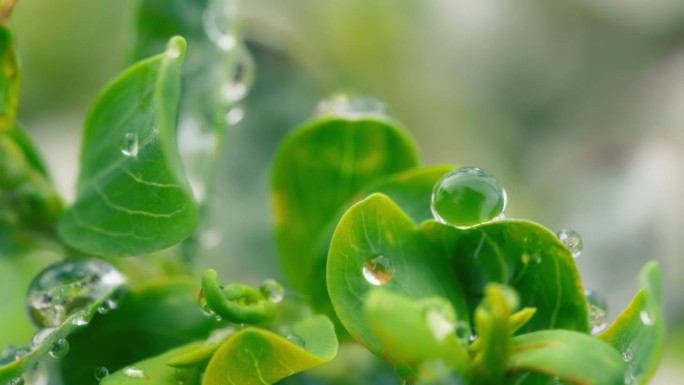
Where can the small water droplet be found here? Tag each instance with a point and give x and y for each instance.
(20, 352)
(129, 144)
(628, 355)
(572, 240)
(439, 325)
(272, 290)
(297, 340)
(378, 270)
(173, 52)
(467, 197)
(598, 311)
(60, 348)
(203, 303)
(106, 306)
(218, 318)
(472, 338)
(235, 115)
(220, 23)
(100, 373)
(646, 318)
(133, 372)
(17, 381)
(40, 336)
(351, 107)
(80, 320)
(241, 77)
(463, 332)
(69, 286)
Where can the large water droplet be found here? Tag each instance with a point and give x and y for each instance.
(572, 240)
(241, 77)
(40, 336)
(100, 373)
(598, 311)
(272, 290)
(60, 348)
(297, 340)
(220, 23)
(646, 318)
(351, 107)
(129, 144)
(69, 286)
(467, 197)
(133, 372)
(439, 325)
(378, 270)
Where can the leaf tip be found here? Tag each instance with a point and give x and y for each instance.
(176, 47)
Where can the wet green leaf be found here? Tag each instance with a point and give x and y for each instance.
(257, 356)
(155, 371)
(415, 331)
(576, 358)
(133, 197)
(523, 255)
(376, 236)
(319, 170)
(639, 332)
(150, 319)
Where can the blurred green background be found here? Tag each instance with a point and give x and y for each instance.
(577, 106)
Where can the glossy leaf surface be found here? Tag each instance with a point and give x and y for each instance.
(155, 371)
(408, 265)
(415, 331)
(639, 332)
(319, 169)
(257, 356)
(521, 254)
(576, 358)
(150, 319)
(132, 194)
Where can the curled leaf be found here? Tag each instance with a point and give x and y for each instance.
(236, 302)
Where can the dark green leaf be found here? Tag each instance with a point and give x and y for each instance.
(576, 358)
(415, 331)
(523, 255)
(150, 319)
(257, 356)
(377, 236)
(155, 371)
(319, 169)
(132, 194)
(639, 332)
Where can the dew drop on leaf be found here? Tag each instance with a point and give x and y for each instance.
(241, 77)
(220, 23)
(272, 290)
(598, 311)
(17, 381)
(69, 286)
(235, 115)
(378, 270)
(203, 303)
(129, 144)
(134, 372)
(646, 318)
(100, 373)
(572, 240)
(40, 336)
(467, 197)
(297, 340)
(60, 348)
(628, 355)
(107, 306)
(351, 106)
(20, 353)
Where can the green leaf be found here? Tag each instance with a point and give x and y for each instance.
(150, 319)
(377, 236)
(319, 169)
(9, 80)
(155, 371)
(411, 190)
(523, 255)
(576, 358)
(432, 325)
(639, 332)
(132, 194)
(492, 321)
(257, 356)
(24, 141)
(70, 325)
(236, 302)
